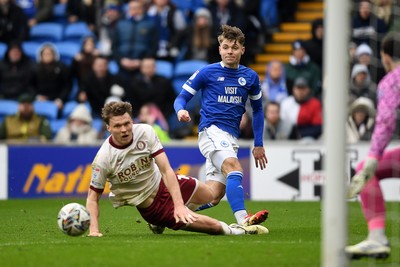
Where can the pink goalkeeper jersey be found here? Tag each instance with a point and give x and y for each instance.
(131, 170)
(388, 103)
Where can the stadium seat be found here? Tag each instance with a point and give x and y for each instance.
(30, 49)
(164, 68)
(46, 32)
(113, 67)
(183, 71)
(70, 106)
(56, 125)
(76, 31)
(48, 109)
(67, 51)
(60, 14)
(7, 107)
(3, 49)
(97, 124)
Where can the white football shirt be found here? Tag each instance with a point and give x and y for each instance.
(131, 170)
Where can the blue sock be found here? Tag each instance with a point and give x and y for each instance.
(205, 206)
(234, 191)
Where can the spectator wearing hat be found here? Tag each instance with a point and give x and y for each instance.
(361, 120)
(26, 125)
(197, 39)
(300, 65)
(303, 110)
(364, 55)
(108, 21)
(361, 84)
(78, 129)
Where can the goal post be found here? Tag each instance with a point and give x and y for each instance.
(336, 85)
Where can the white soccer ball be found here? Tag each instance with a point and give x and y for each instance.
(73, 219)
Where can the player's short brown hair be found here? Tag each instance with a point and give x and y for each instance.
(115, 109)
(231, 33)
(391, 45)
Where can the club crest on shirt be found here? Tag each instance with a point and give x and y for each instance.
(224, 143)
(140, 145)
(242, 81)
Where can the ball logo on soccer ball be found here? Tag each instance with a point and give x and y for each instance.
(73, 219)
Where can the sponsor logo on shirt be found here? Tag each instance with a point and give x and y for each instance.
(221, 79)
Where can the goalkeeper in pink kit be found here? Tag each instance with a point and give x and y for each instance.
(380, 163)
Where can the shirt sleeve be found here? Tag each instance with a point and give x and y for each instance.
(99, 176)
(388, 102)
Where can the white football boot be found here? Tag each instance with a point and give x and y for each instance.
(251, 229)
(368, 248)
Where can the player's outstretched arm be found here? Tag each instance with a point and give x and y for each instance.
(92, 204)
(181, 213)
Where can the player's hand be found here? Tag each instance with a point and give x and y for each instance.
(185, 215)
(183, 115)
(95, 234)
(359, 180)
(260, 157)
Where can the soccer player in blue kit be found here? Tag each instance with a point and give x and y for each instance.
(225, 88)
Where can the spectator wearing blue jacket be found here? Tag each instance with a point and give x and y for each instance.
(135, 37)
(274, 85)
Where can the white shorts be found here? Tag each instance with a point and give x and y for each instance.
(211, 141)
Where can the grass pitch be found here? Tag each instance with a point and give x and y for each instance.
(29, 236)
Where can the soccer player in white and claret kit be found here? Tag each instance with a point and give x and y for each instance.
(225, 87)
(135, 164)
(380, 163)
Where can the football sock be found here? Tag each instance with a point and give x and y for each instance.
(230, 230)
(378, 235)
(235, 194)
(205, 206)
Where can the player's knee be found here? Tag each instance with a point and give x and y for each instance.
(230, 165)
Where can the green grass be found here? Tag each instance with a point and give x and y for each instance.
(29, 237)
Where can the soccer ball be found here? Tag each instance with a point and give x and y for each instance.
(73, 219)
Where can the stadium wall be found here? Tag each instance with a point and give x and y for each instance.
(294, 171)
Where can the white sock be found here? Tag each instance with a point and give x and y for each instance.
(231, 231)
(240, 215)
(378, 235)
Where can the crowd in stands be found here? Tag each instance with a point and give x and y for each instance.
(76, 55)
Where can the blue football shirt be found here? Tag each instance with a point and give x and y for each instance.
(224, 94)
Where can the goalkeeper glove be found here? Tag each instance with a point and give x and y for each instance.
(360, 179)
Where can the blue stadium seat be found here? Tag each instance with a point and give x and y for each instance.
(113, 67)
(164, 68)
(48, 109)
(76, 31)
(7, 107)
(3, 49)
(46, 32)
(30, 49)
(56, 125)
(67, 51)
(183, 71)
(70, 106)
(97, 124)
